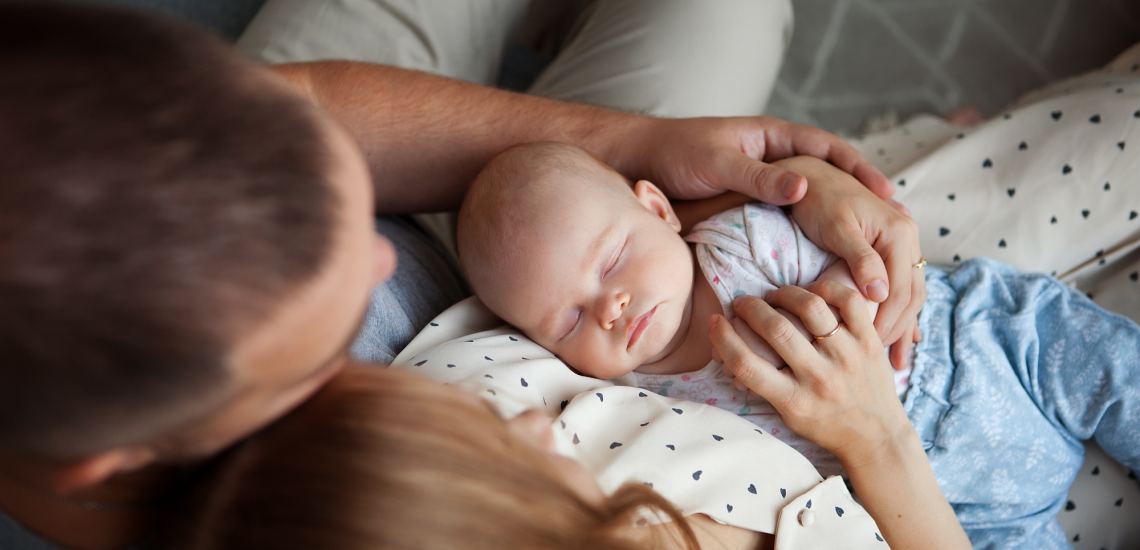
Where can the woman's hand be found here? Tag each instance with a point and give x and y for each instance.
(837, 391)
(878, 239)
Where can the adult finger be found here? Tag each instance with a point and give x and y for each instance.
(852, 307)
(867, 267)
(777, 330)
(749, 369)
(908, 291)
(787, 140)
(810, 308)
(900, 351)
(762, 181)
(917, 300)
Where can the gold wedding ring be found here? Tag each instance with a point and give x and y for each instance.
(921, 263)
(830, 334)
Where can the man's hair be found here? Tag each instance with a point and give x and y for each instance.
(158, 197)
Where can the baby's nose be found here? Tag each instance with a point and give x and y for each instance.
(613, 309)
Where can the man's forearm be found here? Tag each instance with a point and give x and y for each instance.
(426, 137)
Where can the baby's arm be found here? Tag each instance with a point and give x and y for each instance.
(838, 272)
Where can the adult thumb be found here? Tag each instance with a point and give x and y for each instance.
(764, 182)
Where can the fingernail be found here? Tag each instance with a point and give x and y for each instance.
(791, 186)
(713, 320)
(876, 291)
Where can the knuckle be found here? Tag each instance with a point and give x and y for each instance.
(866, 259)
(749, 307)
(905, 225)
(849, 299)
(738, 365)
(827, 388)
(780, 332)
(816, 306)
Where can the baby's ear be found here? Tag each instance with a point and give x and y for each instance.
(655, 201)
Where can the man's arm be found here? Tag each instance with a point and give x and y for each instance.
(425, 138)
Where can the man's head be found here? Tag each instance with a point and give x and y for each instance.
(185, 245)
(559, 245)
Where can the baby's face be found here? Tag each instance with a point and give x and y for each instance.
(600, 277)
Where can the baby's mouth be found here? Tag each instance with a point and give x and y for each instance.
(639, 325)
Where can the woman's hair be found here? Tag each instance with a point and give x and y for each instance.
(384, 459)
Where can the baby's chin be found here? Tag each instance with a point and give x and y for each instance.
(605, 372)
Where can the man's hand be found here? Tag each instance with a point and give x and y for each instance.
(700, 157)
(879, 242)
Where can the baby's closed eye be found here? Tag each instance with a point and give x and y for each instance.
(569, 322)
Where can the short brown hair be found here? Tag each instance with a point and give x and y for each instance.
(374, 462)
(158, 197)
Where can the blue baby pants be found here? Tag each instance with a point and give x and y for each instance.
(1014, 371)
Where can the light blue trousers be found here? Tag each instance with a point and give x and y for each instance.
(1014, 371)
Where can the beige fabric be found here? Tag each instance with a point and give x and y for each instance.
(702, 459)
(1052, 185)
(929, 162)
(673, 58)
(463, 39)
(661, 57)
(825, 516)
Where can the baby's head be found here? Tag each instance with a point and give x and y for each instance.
(588, 266)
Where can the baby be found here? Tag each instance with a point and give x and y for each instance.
(595, 270)
(1013, 371)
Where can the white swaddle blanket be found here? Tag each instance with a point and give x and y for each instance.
(702, 459)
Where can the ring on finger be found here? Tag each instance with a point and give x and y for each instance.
(921, 263)
(830, 334)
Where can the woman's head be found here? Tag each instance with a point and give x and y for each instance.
(387, 459)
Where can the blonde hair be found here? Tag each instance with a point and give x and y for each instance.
(381, 460)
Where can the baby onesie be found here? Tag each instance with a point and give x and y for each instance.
(751, 250)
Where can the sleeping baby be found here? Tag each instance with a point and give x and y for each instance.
(595, 270)
(1013, 371)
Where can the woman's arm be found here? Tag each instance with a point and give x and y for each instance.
(837, 394)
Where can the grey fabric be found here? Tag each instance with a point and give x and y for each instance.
(426, 282)
(885, 60)
(227, 18)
